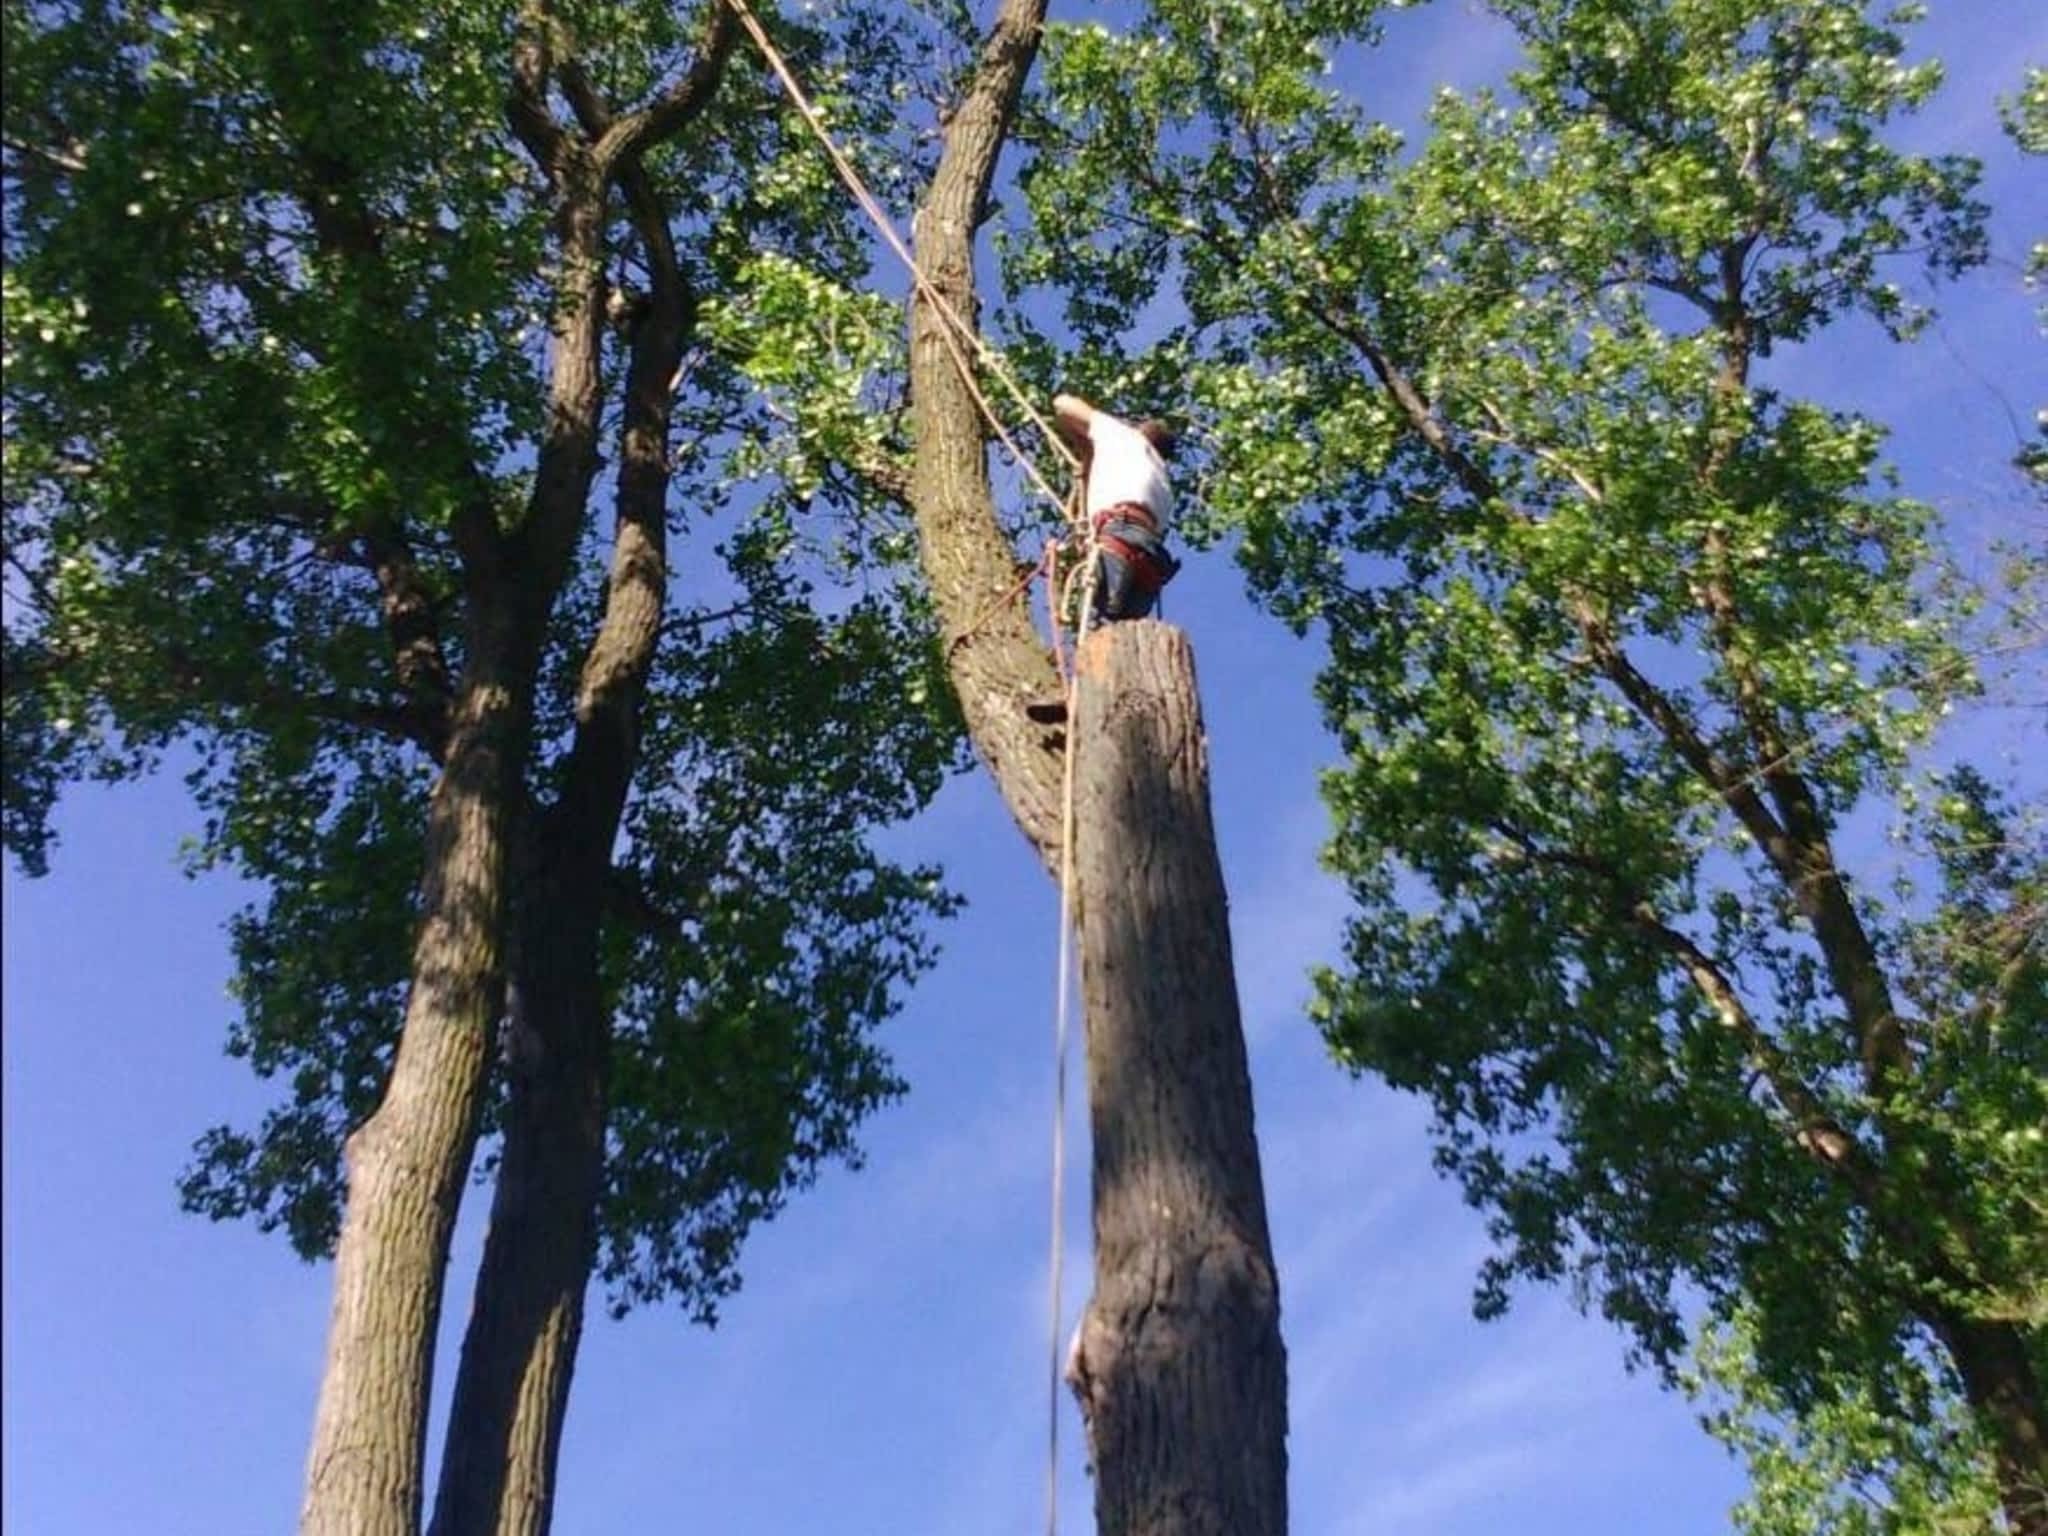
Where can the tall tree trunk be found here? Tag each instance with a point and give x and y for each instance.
(1178, 1367)
(408, 1161)
(1183, 1378)
(519, 1352)
(2004, 1391)
(996, 661)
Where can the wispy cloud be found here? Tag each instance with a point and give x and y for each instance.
(1287, 914)
(1422, 1499)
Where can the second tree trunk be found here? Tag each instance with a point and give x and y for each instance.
(1179, 1367)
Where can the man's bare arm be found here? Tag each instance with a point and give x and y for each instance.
(1072, 415)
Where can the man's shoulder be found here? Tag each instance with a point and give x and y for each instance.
(1105, 429)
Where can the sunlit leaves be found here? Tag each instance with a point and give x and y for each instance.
(278, 296)
(1498, 420)
(1855, 1466)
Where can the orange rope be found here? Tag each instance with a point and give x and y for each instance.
(954, 329)
(1043, 563)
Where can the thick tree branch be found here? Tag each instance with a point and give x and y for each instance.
(615, 669)
(668, 114)
(69, 160)
(593, 112)
(884, 476)
(420, 719)
(997, 662)
(1807, 866)
(545, 540)
(1728, 781)
(410, 610)
(1818, 1133)
(532, 120)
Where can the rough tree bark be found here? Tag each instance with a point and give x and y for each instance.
(519, 1352)
(407, 1162)
(1178, 1366)
(994, 656)
(1187, 1404)
(2002, 1388)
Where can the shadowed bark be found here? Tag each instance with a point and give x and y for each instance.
(512, 1392)
(407, 1163)
(519, 1352)
(994, 656)
(1178, 1367)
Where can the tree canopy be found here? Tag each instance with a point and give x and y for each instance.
(1621, 638)
(277, 310)
(320, 319)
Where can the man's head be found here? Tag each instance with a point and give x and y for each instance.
(1159, 435)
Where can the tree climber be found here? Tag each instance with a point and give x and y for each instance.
(1127, 501)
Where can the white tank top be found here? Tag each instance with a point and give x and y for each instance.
(1125, 467)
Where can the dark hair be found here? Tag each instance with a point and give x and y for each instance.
(1160, 435)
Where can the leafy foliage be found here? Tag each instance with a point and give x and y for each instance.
(1852, 1466)
(2026, 121)
(278, 292)
(1621, 638)
(2026, 114)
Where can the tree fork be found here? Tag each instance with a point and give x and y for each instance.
(519, 1353)
(407, 1164)
(1179, 1366)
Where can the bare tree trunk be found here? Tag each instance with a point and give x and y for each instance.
(408, 1161)
(2004, 1391)
(1182, 1374)
(1178, 1367)
(519, 1352)
(995, 659)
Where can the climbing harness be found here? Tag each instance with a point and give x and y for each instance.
(953, 331)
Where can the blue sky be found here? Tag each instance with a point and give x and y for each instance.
(883, 1369)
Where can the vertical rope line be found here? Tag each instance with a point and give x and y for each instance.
(1061, 1032)
(953, 330)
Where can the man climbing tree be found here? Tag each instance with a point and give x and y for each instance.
(1180, 1370)
(1126, 504)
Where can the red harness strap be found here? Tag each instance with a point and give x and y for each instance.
(1128, 512)
(1148, 571)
